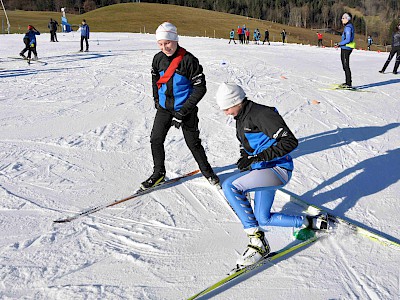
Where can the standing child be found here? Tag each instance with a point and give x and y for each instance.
(369, 41)
(178, 86)
(232, 36)
(30, 43)
(266, 38)
(319, 36)
(85, 35)
(265, 165)
(283, 35)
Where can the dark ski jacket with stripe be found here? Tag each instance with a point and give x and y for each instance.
(184, 89)
(260, 128)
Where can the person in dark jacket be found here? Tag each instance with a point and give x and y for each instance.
(178, 85)
(53, 28)
(283, 35)
(266, 37)
(395, 50)
(347, 45)
(85, 32)
(30, 43)
(265, 165)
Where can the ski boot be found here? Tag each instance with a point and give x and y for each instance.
(345, 86)
(256, 249)
(155, 179)
(320, 222)
(213, 180)
(23, 56)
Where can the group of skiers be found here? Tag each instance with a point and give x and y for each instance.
(244, 36)
(30, 41)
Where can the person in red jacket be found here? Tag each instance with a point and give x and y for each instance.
(319, 35)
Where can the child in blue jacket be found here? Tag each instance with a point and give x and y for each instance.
(30, 43)
(85, 35)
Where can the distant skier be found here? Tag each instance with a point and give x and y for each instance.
(30, 43)
(247, 34)
(319, 36)
(347, 45)
(395, 50)
(240, 34)
(283, 35)
(256, 36)
(266, 37)
(85, 32)
(369, 42)
(53, 28)
(265, 166)
(178, 86)
(232, 36)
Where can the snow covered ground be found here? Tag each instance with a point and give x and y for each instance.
(74, 133)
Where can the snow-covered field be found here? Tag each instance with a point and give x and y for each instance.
(74, 133)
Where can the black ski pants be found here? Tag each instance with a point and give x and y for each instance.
(30, 50)
(84, 38)
(345, 57)
(161, 126)
(395, 50)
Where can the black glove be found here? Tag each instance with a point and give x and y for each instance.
(245, 162)
(177, 120)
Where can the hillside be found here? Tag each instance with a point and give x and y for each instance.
(145, 17)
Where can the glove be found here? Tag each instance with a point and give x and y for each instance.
(245, 162)
(32, 45)
(177, 120)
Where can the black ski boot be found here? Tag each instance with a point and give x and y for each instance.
(155, 179)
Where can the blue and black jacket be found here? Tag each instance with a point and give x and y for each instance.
(31, 35)
(85, 30)
(184, 89)
(260, 128)
(347, 37)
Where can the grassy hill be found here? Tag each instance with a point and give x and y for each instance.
(145, 17)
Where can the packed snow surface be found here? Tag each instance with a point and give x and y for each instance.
(75, 133)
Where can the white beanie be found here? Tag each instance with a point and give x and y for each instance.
(346, 16)
(167, 31)
(229, 94)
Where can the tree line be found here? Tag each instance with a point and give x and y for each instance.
(377, 18)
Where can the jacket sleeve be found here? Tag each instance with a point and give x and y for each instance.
(273, 125)
(155, 76)
(194, 72)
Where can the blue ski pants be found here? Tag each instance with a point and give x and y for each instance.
(264, 183)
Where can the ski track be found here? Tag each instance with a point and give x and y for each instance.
(80, 138)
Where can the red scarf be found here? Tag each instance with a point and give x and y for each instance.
(171, 68)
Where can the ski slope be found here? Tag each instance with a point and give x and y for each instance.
(74, 133)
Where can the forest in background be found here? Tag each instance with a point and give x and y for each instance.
(377, 18)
